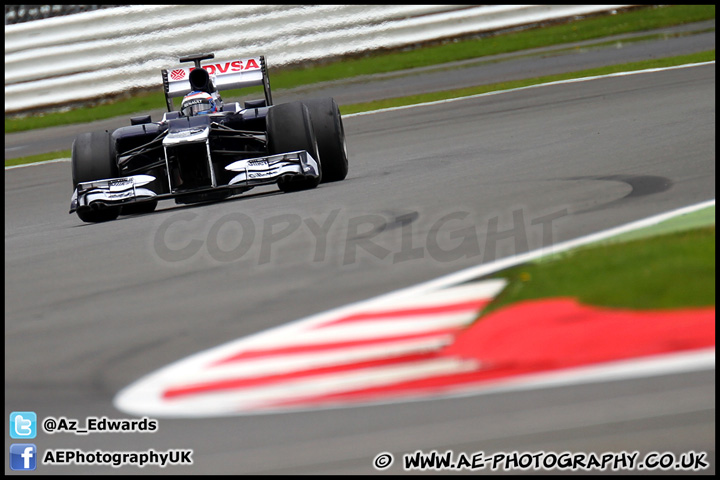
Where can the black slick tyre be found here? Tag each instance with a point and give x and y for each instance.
(289, 128)
(330, 134)
(148, 206)
(93, 158)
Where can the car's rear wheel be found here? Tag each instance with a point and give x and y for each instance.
(330, 134)
(289, 128)
(93, 158)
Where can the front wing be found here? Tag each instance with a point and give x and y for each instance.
(251, 172)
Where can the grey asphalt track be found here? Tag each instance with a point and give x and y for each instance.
(90, 308)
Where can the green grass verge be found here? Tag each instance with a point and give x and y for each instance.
(624, 22)
(38, 158)
(674, 270)
(687, 221)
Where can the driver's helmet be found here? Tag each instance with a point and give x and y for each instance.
(198, 103)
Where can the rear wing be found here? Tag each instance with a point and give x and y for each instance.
(234, 74)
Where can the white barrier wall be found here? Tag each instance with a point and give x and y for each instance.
(89, 55)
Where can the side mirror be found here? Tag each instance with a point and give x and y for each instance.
(140, 120)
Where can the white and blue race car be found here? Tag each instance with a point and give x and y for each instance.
(208, 150)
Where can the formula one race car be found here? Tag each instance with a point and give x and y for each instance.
(207, 150)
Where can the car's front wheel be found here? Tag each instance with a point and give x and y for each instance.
(139, 208)
(330, 134)
(289, 128)
(93, 158)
